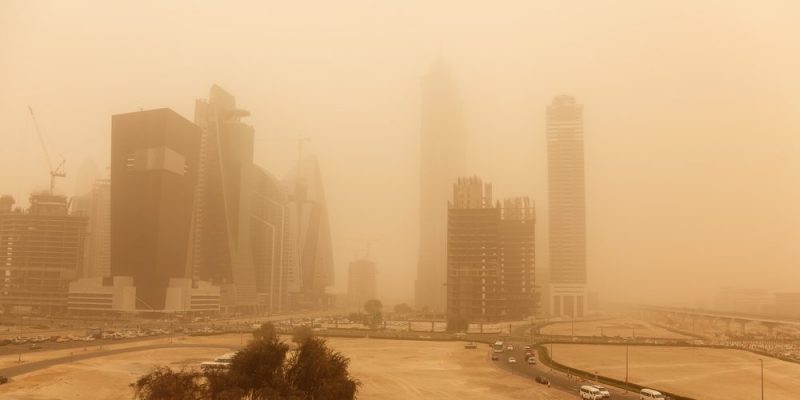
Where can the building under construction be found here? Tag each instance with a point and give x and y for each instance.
(490, 256)
(43, 249)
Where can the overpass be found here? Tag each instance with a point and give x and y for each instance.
(769, 321)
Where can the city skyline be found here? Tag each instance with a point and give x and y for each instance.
(678, 126)
(394, 200)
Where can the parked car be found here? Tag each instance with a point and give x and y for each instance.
(512, 360)
(542, 380)
(36, 346)
(531, 361)
(3, 379)
(495, 357)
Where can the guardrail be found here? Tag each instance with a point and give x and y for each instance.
(544, 357)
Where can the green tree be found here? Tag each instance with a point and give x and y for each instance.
(301, 333)
(265, 332)
(260, 371)
(320, 373)
(258, 368)
(165, 384)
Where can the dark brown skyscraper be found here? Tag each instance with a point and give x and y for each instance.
(490, 256)
(154, 158)
(441, 162)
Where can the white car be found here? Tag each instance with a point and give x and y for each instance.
(512, 360)
(510, 347)
(606, 394)
(531, 360)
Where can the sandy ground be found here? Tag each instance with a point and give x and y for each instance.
(695, 372)
(622, 327)
(391, 370)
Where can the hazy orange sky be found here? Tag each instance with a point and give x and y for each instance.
(692, 115)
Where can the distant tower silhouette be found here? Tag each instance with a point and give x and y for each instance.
(565, 170)
(442, 137)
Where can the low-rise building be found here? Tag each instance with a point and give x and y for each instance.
(102, 295)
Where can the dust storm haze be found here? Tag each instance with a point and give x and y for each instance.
(691, 117)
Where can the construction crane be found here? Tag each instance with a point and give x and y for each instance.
(58, 171)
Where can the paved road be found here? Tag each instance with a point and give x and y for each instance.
(558, 380)
(74, 344)
(24, 368)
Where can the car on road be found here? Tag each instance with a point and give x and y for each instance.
(649, 394)
(531, 361)
(512, 360)
(603, 391)
(495, 357)
(588, 392)
(36, 346)
(542, 380)
(3, 379)
(527, 347)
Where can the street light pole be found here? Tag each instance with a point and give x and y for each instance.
(626, 367)
(762, 377)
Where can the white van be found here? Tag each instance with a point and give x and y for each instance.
(650, 394)
(590, 393)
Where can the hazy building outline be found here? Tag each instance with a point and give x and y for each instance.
(311, 236)
(361, 283)
(566, 207)
(442, 158)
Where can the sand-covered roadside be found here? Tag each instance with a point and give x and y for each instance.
(391, 370)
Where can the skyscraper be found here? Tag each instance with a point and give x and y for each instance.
(311, 236)
(490, 256)
(442, 138)
(270, 231)
(96, 204)
(222, 250)
(361, 283)
(154, 159)
(565, 169)
(42, 252)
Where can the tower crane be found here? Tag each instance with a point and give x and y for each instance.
(58, 171)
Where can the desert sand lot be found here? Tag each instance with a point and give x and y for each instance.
(387, 369)
(623, 327)
(701, 373)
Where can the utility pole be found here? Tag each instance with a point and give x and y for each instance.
(626, 367)
(762, 377)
